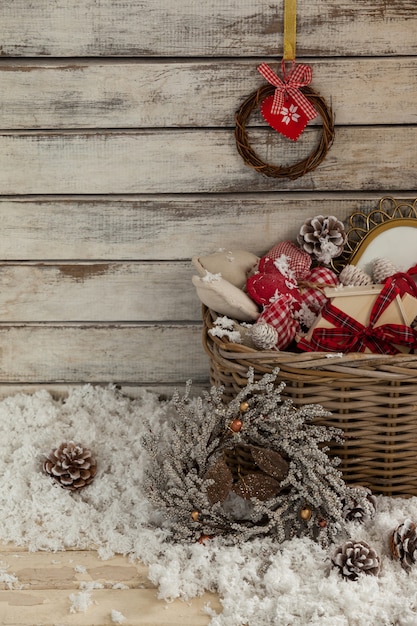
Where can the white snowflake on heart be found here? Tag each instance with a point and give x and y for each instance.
(289, 114)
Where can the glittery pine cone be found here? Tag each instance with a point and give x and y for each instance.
(71, 465)
(322, 237)
(354, 276)
(383, 269)
(403, 543)
(264, 336)
(354, 558)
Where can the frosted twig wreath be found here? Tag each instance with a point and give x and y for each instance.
(300, 168)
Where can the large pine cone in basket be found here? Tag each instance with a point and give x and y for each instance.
(71, 465)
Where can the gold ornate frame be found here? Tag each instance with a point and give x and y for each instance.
(363, 228)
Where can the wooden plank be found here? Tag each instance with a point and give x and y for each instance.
(186, 161)
(44, 587)
(137, 354)
(68, 569)
(214, 28)
(131, 94)
(139, 608)
(102, 292)
(163, 227)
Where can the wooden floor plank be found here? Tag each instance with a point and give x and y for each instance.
(138, 607)
(52, 589)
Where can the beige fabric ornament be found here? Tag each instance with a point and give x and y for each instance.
(224, 298)
(71, 465)
(354, 276)
(233, 265)
(383, 269)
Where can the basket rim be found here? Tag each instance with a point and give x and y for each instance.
(383, 366)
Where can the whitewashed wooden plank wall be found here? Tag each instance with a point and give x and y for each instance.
(118, 164)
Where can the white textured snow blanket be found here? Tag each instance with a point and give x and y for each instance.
(260, 583)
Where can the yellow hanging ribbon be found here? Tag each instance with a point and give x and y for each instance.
(290, 29)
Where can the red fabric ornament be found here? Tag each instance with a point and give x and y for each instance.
(286, 255)
(280, 315)
(290, 121)
(312, 293)
(288, 111)
(265, 288)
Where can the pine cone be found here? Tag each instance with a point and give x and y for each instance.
(383, 269)
(71, 465)
(403, 543)
(354, 558)
(354, 276)
(322, 237)
(264, 335)
(361, 508)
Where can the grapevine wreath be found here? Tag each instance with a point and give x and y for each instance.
(309, 163)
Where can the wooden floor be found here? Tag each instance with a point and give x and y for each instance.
(76, 588)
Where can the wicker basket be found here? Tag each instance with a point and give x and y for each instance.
(372, 398)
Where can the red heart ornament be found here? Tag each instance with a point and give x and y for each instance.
(265, 288)
(290, 121)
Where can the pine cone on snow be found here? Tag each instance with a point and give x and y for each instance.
(403, 543)
(71, 465)
(354, 558)
(322, 237)
(360, 509)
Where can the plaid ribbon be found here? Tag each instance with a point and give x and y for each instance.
(351, 336)
(299, 76)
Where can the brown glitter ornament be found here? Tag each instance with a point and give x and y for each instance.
(221, 481)
(244, 407)
(249, 471)
(195, 515)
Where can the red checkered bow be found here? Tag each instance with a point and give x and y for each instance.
(351, 336)
(299, 76)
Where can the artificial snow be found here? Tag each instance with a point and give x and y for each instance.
(260, 583)
(225, 327)
(117, 617)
